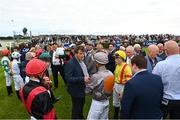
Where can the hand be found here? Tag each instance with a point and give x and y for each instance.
(121, 95)
(87, 79)
(47, 82)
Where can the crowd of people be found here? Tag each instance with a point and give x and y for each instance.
(122, 39)
(142, 84)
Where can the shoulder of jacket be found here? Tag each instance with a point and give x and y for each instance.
(95, 75)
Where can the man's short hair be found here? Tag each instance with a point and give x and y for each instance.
(54, 43)
(79, 47)
(112, 44)
(140, 61)
(137, 46)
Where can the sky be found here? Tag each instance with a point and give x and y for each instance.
(90, 17)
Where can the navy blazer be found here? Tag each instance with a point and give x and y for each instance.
(75, 78)
(142, 97)
(111, 64)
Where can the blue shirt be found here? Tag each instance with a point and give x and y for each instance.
(169, 71)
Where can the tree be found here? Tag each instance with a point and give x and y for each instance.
(24, 31)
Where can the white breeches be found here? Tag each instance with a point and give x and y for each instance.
(99, 110)
(117, 94)
(18, 82)
(8, 80)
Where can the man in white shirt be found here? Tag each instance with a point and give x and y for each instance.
(169, 71)
(56, 65)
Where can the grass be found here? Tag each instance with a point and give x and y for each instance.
(12, 108)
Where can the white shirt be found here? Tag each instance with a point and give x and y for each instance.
(60, 51)
(84, 68)
(128, 61)
(55, 61)
(15, 67)
(169, 71)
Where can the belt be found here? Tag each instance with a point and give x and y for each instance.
(120, 83)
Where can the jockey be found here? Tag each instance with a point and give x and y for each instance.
(5, 62)
(34, 94)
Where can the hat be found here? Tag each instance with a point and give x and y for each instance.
(101, 57)
(45, 56)
(72, 45)
(120, 54)
(35, 67)
(28, 56)
(39, 52)
(5, 52)
(16, 54)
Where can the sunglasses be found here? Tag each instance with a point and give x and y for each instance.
(116, 56)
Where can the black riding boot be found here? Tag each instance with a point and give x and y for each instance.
(10, 88)
(17, 92)
(116, 112)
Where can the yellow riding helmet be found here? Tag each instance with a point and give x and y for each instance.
(120, 54)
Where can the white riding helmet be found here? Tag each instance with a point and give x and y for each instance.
(101, 57)
(15, 55)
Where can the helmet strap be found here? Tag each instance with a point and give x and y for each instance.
(40, 77)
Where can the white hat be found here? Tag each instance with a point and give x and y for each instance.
(72, 45)
(16, 55)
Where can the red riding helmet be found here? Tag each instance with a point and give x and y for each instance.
(38, 52)
(35, 67)
(5, 52)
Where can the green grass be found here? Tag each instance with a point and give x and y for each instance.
(144, 49)
(12, 108)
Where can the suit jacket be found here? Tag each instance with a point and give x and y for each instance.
(51, 54)
(111, 64)
(163, 56)
(142, 97)
(149, 65)
(143, 53)
(75, 78)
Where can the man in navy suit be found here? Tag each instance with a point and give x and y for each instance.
(143, 93)
(111, 64)
(77, 75)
